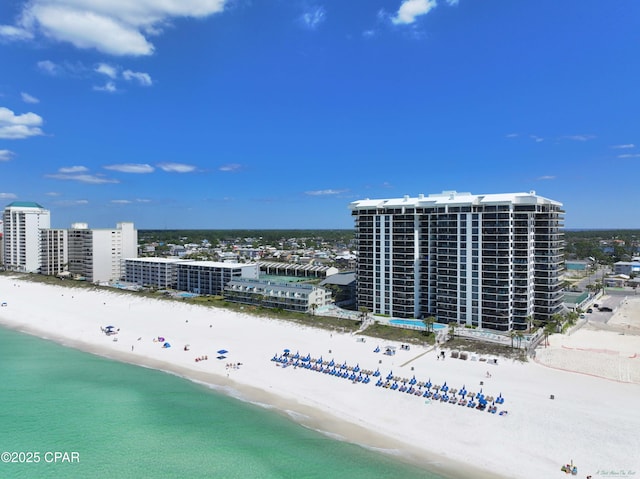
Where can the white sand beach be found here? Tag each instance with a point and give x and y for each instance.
(593, 419)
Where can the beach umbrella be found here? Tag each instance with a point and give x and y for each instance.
(110, 327)
(222, 351)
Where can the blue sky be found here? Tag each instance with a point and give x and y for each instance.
(279, 113)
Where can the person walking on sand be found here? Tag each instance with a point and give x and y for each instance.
(132, 347)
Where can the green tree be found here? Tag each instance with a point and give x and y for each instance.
(549, 329)
(452, 330)
(428, 324)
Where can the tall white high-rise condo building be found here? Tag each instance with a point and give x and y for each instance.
(491, 261)
(98, 254)
(22, 223)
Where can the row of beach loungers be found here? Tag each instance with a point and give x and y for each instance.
(352, 373)
(433, 392)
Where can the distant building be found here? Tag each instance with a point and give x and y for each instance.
(210, 277)
(277, 294)
(630, 268)
(22, 223)
(490, 261)
(302, 270)
(97, 255)
(343, 286)
(578, 265)
(161, 273)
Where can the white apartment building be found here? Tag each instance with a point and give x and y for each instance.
(53, 251)
(491, 261)
(154, 272)
(98, 254)
(22, 223)
(277, 294)
(210, 277)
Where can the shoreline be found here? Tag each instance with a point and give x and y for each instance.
(307, 416)
(448, 440)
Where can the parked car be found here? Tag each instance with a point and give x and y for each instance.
(596, 305)
(590, 310)
(606, 309)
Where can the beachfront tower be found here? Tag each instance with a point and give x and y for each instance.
(22, 225)
(491, 261)
(98, 255)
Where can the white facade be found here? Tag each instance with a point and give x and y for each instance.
(22, 222)
(210, 277)
(98, 254)
(156, 272)
(491, 261)
(278, 294)
(53, 251)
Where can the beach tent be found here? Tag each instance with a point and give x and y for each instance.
(166, 345)
(222, 351)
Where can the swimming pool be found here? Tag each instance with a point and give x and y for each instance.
(416, 324)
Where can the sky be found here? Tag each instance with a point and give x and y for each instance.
(277, 114)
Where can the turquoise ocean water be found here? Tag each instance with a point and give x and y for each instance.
(125, 421)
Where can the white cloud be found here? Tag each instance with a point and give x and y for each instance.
(17, 127)
(73, 169)
(547, 177)
(624, 147)
(176, 167)
(325, 192)
(579, 137)
(6, 155)
(53, 193)
(72, 202)
(49, 67)
(14, 33)
(410, 9)
(314, 17)
(8, 196)
(121, 202)
(131, 168)
(369, 33)
(142, 200)
(108, 87)
(537, 139)
(230, 167)
(629, 155)
(106, 69)
(29, 98)
(143, 78)
(115, 27)
(90, 179)
(452, 3)
(513, 135)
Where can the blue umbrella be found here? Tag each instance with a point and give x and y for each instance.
(222, 351)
